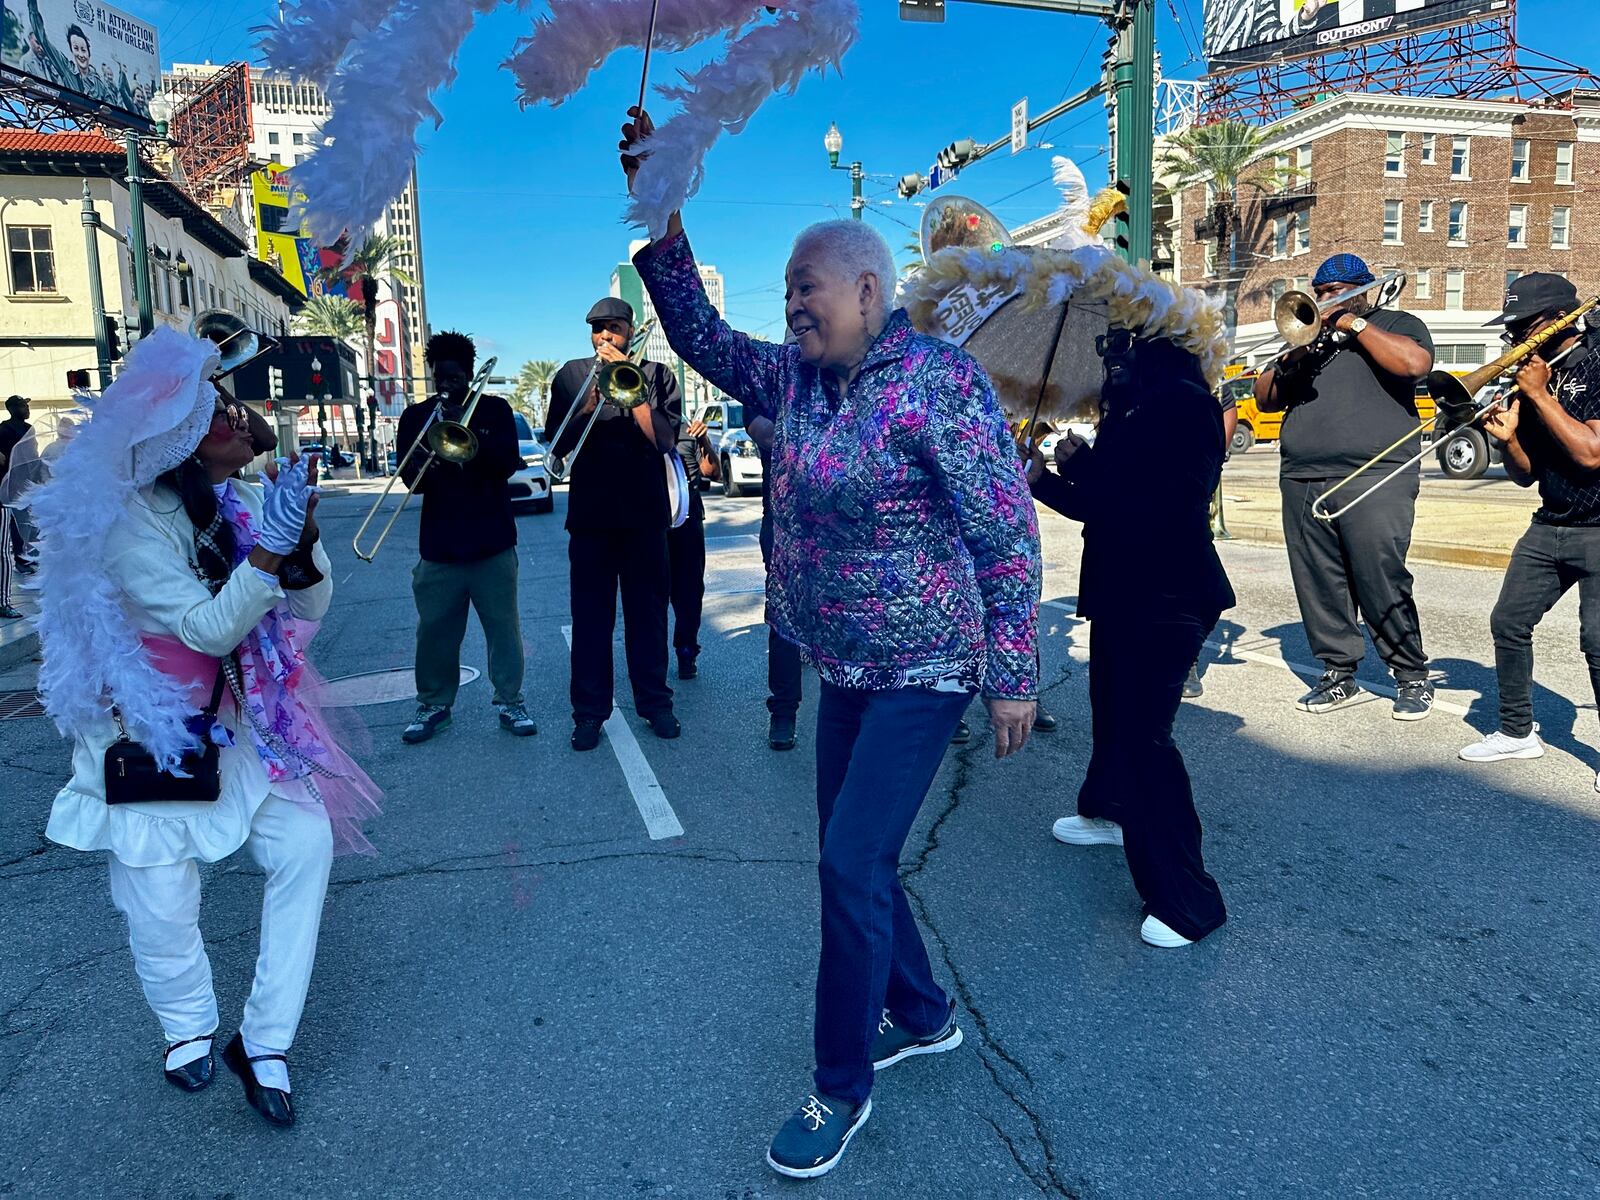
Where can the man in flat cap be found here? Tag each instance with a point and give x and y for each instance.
(1347, 396)
(1549, 433)
(618, 514)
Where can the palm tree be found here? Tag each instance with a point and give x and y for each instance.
(1224, 154)
(377, 256)
(534, 379)
(330, 316)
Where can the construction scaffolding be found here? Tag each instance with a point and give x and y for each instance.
(211, 128)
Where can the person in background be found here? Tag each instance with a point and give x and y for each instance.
(618, 515)
(468, 547)
(1193, 689)
(16, 427)
(686, 551)
(784, 676)
(1346, 397)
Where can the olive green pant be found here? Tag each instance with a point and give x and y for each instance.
(443, 591)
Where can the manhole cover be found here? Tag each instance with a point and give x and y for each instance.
(16, 705)
(376, 687)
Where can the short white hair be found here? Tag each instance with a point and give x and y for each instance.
(851, 249)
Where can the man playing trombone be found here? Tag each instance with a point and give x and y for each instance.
(1347, 395)
(618, 514)
(1549, 429)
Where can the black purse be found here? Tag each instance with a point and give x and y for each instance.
(133, 776)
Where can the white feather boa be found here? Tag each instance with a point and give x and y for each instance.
(380, 94)
(724, 95)
(579, 35)
(315, 34)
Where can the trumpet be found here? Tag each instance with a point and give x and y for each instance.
(1455, 406)
(452, 441)
(619, 383)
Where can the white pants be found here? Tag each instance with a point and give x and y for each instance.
(293, 844)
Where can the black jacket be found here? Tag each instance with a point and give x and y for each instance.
(466, 510)
(1143, 493)
(619, 479)
(12, 431)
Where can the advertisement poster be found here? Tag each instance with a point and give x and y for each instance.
(1244, 33)
(87, 54)
(296, 258)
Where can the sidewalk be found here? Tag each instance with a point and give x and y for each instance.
(19, 641)
(1458, 525)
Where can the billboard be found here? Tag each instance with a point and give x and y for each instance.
(298, 259)
(86, 54)
(1245, 33)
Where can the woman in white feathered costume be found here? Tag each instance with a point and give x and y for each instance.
(158, 570)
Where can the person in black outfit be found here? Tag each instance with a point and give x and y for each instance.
(1348, 395)
(617, 515)
(1549, 431)
(784, 687)
(1151, 587)
(686, 551)
(468, 545)
(12, 430)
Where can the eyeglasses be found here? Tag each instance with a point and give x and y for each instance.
(232, 415)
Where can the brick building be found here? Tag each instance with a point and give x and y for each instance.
(1464, 195)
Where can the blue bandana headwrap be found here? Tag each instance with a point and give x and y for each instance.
(1342, 268)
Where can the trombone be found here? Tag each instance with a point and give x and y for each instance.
(619, 383)
(1297, 316)
(225, 329)
(452, 441)
(1455, 406)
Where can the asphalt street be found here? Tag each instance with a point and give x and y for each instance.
(525, 994)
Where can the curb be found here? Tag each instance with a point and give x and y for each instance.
(1432, 552)
(23, 650)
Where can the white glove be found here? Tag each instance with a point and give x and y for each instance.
(284, 505)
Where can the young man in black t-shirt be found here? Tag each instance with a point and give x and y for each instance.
(1549, 429)
(468, 544)
(1347, 396)
(618, 515)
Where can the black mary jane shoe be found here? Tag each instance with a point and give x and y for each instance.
(272, 1104)
(192, 1076)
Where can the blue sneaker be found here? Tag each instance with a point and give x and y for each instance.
(811, 1142)
(894, 1044)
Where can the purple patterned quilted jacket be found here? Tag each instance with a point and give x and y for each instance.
(906, 550)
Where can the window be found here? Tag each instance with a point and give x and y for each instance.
(277, 158)
(1394, 154)
(1455, 285)
(299, 139)
(1280, 173)
(1563, 162)
(1561, 228)
(33, 259)
(1277, 288)
(1425, 216)
(1460, 157)
(1302, 231)
(1517, 234)
(1519, 160)
(1210, 259)
(1211, 193)
(1511, 277)
(1428, 149)
(272, 138)
(1458, 222)
(1422, 285)
(1391, 222)
(1456, 354)
(1302, 160)
(1280, 237)
(1302, 283)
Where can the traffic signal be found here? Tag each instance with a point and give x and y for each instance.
(113, 340)
(957, 154)
(911, 184)
(1119, 217)
(275, 384)
(78, 381)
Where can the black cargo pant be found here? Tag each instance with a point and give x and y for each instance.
(783, 658)
(1548, 560)
(604, 560)
(686, 546)
(1356, 563)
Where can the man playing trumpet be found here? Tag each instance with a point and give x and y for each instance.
(1549, 432)
(1347, 395)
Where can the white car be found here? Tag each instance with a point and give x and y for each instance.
(530, 486)
(742, 473)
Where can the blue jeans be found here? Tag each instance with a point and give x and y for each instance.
(872, 953)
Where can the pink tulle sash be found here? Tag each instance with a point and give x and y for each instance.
(347, 793)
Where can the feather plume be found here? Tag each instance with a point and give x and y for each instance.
(314, 35)
(1074, 210)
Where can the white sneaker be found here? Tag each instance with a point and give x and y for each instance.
(1159, 933)
(1087, 831)
(1498, 746)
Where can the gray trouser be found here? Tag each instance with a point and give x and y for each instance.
(443, 591)
(1548, 560)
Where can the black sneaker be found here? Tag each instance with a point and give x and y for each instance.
(10, 613)
(812, 1141)
(586, 734)
(665, 726)
(962, 735)
(514, 718)
(1193, 689)
(781, 732)
(1332, 691)
(687, 668)
(1413, 700)
(893, 1043)
(1044, 722)
(430, 719)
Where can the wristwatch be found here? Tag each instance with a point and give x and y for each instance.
(1357, 325)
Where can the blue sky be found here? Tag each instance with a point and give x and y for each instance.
(521, 210)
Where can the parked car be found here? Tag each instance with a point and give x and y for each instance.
(742, 473)
(531, 484)
(332, 458)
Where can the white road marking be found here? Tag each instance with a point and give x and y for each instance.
(1272, 660)
(648, 795)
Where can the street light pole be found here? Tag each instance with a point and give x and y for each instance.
(97, 293)
(138, 249)
(833, 143)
